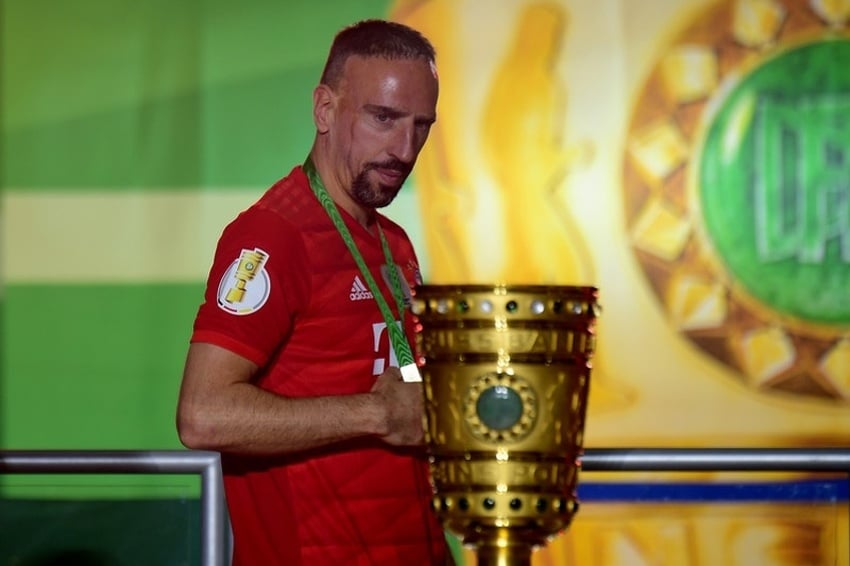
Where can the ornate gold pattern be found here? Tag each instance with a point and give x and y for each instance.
(771, 351)
(504, 453)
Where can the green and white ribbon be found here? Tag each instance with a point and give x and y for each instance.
(398, 340)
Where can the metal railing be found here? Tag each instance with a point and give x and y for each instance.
(207, 464)
(716, 460)
(213, 515)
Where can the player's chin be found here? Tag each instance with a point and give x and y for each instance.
(385, 195)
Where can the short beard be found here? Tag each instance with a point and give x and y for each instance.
(376, 196)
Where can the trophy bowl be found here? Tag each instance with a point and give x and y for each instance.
(506, 373)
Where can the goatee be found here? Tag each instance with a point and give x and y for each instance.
(377, 195)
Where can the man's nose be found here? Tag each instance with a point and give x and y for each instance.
(404, 145)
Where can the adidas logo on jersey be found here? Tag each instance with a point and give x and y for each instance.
(359, 292)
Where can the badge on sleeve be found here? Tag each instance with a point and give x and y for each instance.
(245, 286)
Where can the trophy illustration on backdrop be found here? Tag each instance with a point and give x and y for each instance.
(506, 373)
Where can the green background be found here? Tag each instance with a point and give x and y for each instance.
(112, 96)
(106, 97)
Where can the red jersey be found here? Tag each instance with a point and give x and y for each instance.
(285, 292)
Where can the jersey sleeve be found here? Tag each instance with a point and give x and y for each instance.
(256, 287)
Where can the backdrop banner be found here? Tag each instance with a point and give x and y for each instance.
(689, 158)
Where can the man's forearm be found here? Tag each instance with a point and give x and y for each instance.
(248, 420)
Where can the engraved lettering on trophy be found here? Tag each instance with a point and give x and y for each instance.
(432, 430)
(550, 398)
(551, 340)
(438, 471)
(489, 475)
(456, 472)
(533, 473)
(569, 346)
(438, 438)
(463, 472)
(518, 341)
(456, 417)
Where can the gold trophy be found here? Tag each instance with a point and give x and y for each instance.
(506, 372)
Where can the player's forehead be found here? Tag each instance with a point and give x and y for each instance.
(405, 85)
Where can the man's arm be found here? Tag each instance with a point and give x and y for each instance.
(220, 409)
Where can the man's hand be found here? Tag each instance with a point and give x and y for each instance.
(404, 409)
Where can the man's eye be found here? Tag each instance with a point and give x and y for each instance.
(383, 118)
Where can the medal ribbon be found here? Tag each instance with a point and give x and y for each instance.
(398, 340)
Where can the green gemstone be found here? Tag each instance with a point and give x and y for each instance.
(499, 407)
(774, 182)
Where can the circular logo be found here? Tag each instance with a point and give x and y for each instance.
(774, 174)
(737, 191)
(500, 408)
(245, 286)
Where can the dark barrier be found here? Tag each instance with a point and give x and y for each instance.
(206, 464)
(213, 514)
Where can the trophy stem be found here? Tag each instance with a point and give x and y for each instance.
(503, 552)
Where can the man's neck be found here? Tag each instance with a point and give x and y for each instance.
(366, 217)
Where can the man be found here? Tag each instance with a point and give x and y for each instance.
(291, 374)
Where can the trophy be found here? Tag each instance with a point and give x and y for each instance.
(506, 372)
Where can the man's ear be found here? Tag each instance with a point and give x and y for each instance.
(324, 103)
